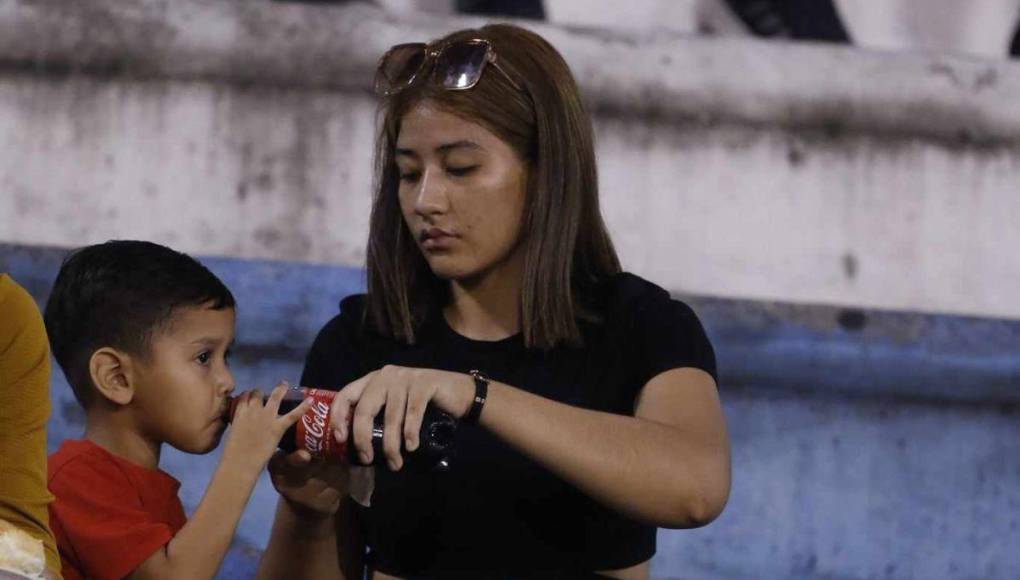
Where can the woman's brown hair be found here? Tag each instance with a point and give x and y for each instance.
(567, 248)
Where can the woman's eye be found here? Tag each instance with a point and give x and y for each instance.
(461, 171)
(409, 176)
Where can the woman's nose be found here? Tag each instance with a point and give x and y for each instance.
(431, 195)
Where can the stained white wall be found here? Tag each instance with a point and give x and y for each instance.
(730, 167)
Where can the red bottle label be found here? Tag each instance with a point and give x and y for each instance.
(313, 433)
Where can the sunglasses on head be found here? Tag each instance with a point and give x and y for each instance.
(457, 65)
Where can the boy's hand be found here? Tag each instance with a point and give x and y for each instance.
(312, 486)
(256, 428)
(198, 549)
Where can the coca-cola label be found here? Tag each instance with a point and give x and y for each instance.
(313, 433)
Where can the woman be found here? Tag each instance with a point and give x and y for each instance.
(587, 397)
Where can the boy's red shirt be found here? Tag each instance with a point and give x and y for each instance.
(109, 514)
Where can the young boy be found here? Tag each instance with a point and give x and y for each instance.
(142, 333)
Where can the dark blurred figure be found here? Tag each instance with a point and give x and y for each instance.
(804, 20)
(319, 1)
(800, 19)
(511, 8)
(1014, 47)
(514, 8)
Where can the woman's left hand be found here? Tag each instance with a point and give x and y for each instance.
(404, 392)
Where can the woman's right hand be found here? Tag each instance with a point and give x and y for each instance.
(311, 485)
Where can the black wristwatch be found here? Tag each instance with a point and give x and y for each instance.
(481, 392)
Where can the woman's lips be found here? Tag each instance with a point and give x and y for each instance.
(436, 239)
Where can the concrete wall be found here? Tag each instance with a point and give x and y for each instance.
(873, 437)
(676, 16)
(730, 167)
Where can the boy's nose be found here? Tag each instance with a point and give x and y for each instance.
(226, 383)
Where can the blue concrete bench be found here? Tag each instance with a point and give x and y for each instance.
(809, 391)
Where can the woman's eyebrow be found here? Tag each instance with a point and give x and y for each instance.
(462, 144)
(442, 149)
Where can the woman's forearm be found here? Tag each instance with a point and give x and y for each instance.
(655, 472)
(668, 465)
(313, 546)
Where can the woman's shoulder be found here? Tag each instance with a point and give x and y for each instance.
(664, 331)
(628, 293)
(349, 319)
(351, 326)
(352, 308)
(630, 283)
(631, 304)
(338, 353)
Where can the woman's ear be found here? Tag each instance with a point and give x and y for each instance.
(109, 369)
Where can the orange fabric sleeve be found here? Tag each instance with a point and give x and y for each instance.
(24, 409)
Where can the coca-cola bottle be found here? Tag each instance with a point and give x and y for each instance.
(312, 433)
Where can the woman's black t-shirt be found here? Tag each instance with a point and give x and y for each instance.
(495, 511)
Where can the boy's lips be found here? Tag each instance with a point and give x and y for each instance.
(226, 410)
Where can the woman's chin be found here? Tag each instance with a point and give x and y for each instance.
(449, 270)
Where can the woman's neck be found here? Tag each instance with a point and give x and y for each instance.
(486, 308)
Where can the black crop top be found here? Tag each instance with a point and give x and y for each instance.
(496, 513)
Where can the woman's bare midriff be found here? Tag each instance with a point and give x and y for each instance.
(636, 572)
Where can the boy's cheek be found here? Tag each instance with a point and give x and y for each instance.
(213, 436)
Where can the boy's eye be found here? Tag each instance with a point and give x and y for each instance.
(204, 357)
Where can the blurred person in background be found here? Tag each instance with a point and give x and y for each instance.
(24, 409)
(982, 28)
(587, 396)
(515, 8)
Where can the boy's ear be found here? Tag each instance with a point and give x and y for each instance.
(110, 371)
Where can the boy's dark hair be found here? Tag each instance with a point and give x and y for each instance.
(117, 294)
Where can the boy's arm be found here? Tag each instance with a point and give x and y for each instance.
(198, 549)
